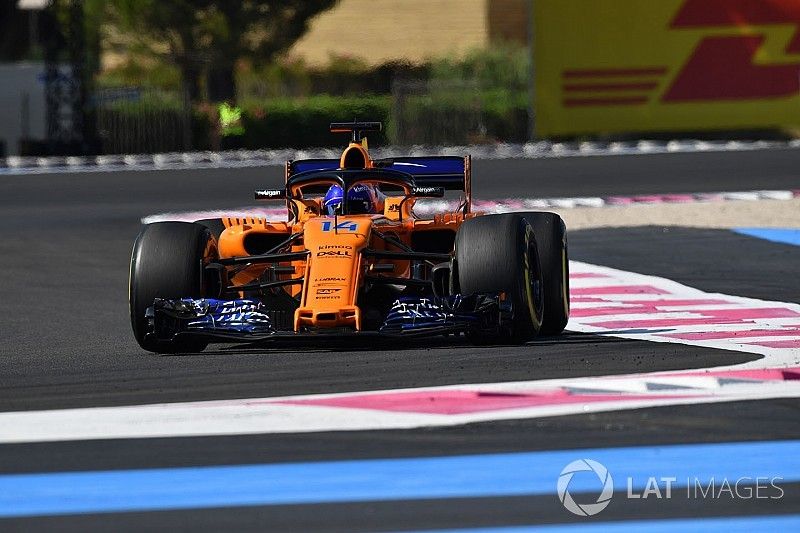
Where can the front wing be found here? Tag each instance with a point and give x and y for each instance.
(250, 321)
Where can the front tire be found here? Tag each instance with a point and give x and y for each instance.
(168, 261)
(498, 254)
(551, 240)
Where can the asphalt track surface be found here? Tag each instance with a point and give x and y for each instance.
(65, 342)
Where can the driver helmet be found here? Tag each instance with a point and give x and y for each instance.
(362, 198)
(332, 200)
(365, 199)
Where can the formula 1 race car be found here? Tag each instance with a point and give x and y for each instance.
(352, 259)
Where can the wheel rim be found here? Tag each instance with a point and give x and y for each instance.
(533, 279)
(535, 286)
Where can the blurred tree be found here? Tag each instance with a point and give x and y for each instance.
(205, 38)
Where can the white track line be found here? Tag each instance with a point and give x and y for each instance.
(391, 409)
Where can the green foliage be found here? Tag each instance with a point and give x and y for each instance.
(480, 98)
(462, 117)
(486, 116)
(499, 66)
(277, 79)
(135, 74)
(343, 76)
(285, 122)
(201, 36)
(147, 102)
(140, 120)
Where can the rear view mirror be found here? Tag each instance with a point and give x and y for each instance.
(427, 192)
(270, 194)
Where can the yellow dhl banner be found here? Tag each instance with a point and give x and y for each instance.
(610, 66)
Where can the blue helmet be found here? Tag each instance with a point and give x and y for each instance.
(364, 198)
(333, 199)
(361, 199)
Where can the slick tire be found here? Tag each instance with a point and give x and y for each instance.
(551, 240)
(167, 262)
(498, 253)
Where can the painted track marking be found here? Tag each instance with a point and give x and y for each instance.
(608, 301)
(734, 524)
(779, 235)
(485, 475)
(399, 409)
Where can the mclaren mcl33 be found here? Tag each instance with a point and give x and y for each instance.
(352, 259)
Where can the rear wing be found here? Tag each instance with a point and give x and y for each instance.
(454, 173)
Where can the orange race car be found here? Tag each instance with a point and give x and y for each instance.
(353, 259)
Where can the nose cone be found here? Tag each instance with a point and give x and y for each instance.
(332, 272)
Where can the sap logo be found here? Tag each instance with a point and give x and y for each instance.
(341, 226)
(334, 253)
(335, 247)
(328, 291)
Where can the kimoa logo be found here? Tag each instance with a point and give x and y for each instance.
(603, 476)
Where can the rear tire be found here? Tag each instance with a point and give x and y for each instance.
(167, 262)
(551, 240)
(498, 253)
